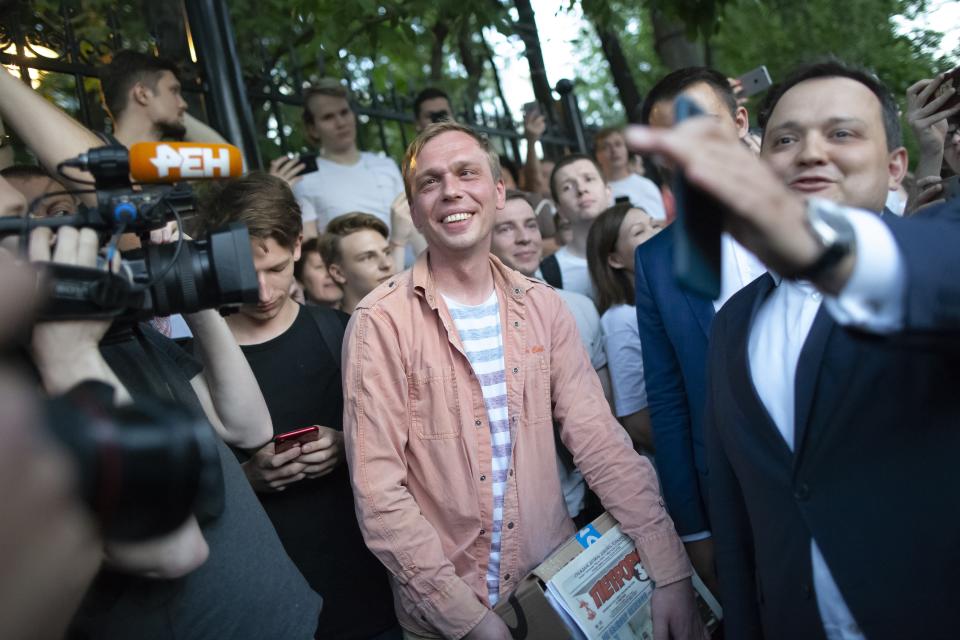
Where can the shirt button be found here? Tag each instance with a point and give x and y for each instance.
(482, 478)
(511, 473)
(516, 370)
(516, 323)
(483, 531)
(477, 422)
(390, 285)
(506, 577)
(517, 291)
(802, 493)
(509, 525)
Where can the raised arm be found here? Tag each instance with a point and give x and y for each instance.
(49, 132)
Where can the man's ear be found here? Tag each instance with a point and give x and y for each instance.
(337, 273)
(141, 94)
(297, 247)
(742, 119)
(897, 163)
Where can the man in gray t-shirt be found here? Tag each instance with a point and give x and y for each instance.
(518, 244)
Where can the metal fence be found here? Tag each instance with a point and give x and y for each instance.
(59, 45)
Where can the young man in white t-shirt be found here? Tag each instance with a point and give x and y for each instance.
(346, 178)
(581, 194)
(610, 150)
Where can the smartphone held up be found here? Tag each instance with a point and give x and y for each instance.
(699, 225)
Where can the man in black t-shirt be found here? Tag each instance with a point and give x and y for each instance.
(294, 353)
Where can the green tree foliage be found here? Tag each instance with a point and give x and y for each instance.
(385, 51)
(778, 34)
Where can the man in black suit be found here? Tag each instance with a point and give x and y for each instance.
(831, 428)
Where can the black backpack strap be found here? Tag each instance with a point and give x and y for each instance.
(550, 269)
(331, 324)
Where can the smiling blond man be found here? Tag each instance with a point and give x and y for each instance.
(454, 373)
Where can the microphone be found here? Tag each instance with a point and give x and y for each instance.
(167, 162)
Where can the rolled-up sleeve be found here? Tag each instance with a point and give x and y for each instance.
(376, 427)
(624, 481)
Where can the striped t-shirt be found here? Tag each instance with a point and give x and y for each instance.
(482, 337)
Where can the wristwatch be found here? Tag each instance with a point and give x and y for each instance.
(828, 224)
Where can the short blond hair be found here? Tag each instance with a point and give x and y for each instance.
(436, 129)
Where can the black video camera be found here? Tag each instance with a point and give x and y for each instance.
(183, 277)
(141, 468)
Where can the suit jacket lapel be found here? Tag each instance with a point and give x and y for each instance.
(702, 309)
(808, 372)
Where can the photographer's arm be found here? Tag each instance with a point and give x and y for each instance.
(227, 387)
(67, 353)
(52, 135)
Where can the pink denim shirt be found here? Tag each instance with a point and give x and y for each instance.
(418, 447)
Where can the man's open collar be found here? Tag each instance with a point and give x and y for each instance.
(511, 282)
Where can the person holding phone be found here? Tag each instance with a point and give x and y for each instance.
(346, 178)
(933, 112)
(300, 476)
(832, 406)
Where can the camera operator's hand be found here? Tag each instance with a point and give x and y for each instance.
(322, 455)
(268, 471)
(287, 169)
(928, 120)
(67, 352)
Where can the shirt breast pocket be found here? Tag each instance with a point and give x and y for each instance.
(537, 405)
(434, 405)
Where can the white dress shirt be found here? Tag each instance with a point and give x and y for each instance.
(873, 300)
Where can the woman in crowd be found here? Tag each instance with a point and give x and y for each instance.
(311, 274)
(610, 245)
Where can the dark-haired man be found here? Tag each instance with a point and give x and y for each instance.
(674, 326)
(305, 490)
(581, 193)
(46, 195)
(144, 97)
(828, 450)
(431, 105)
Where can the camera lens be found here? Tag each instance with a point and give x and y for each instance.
(141, 468)
(207, 274)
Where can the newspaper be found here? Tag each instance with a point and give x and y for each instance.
(607, 592)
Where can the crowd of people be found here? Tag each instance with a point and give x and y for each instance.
(494, 355)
